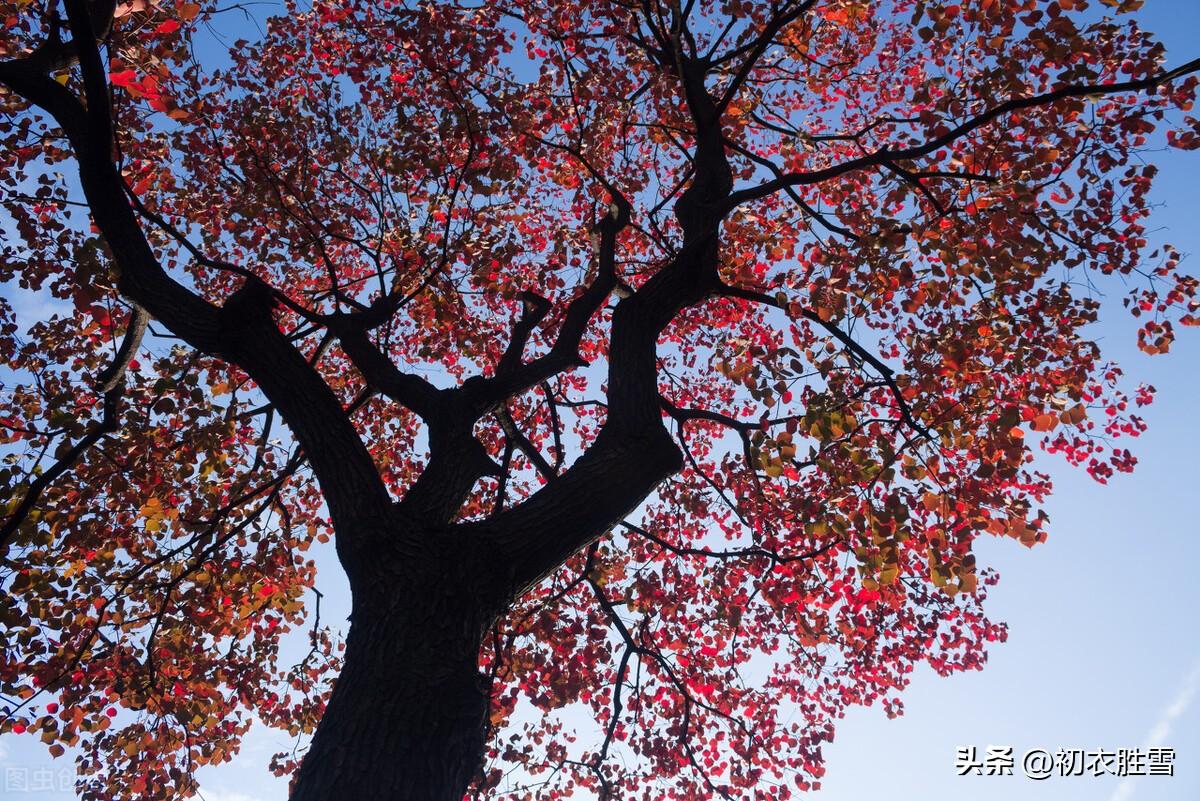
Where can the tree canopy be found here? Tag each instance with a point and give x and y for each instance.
(656, 361)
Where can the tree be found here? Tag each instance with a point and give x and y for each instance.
(658, 360)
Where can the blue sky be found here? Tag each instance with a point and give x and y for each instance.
(1103, 649)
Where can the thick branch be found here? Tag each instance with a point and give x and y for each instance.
(483, 394)
(633, 452)
(534, 309)
(113, 375)
(243, 331)
(349, 479)
(381, 373)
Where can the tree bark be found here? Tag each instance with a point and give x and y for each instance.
(407, 717)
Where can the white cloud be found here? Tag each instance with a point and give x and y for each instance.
(1162, 728)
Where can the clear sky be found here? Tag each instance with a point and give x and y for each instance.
(1104, 644)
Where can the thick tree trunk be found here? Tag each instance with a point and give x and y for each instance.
(406, 720)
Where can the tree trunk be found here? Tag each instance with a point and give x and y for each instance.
(406, 720)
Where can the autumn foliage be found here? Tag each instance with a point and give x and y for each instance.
(710, 335)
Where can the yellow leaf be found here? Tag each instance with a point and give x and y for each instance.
(152, 510)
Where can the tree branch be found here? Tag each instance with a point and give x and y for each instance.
(106, 425)
(483, 394)
(887, 373)
(243, 331)
(381, 373)
(886, 155)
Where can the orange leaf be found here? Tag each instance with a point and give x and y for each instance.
(1044, 422)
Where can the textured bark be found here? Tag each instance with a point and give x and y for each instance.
(406, 721)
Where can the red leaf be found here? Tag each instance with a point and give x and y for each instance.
(124, 78)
